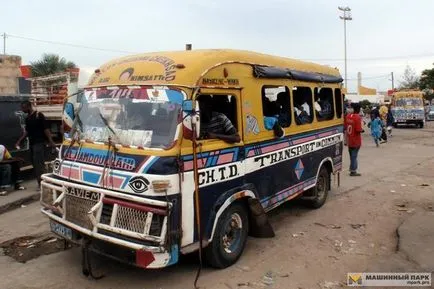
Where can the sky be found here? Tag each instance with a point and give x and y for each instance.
(383, 37)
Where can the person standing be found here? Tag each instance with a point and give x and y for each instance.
(383, 116)
(38, 132)
(354, 130)
(13, 167)
(389, 121)
(383, 111)
(374, 113)
(376, 126)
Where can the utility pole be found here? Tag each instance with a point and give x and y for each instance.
(393, 83)
(346, 17)
(4, 43)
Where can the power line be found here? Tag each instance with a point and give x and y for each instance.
(70, 44)
(375, 58)
(372, 77)
(305, 59)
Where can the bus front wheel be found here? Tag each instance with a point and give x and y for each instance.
(230, 237)
(321, 189)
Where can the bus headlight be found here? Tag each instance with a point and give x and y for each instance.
(160, 186)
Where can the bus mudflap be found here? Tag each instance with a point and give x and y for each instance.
(260, 227)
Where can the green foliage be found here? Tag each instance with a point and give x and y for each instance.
(427, 79)
(427, 83)
(50, 64)
(365, 104)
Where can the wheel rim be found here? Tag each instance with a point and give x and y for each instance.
(321, 187)
(231, 238)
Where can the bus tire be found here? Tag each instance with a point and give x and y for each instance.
(230, 237)
(321, 189)
(421, 124)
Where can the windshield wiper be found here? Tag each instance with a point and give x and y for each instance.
(107, 124)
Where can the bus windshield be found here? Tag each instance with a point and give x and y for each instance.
(139, 117)
(409, 102)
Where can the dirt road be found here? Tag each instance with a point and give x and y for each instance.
(355, 231)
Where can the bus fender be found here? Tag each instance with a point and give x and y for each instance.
(309, 193)
(328, 163)
(258, 220)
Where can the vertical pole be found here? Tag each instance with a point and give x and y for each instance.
(4, 43)
(345, 48)
(346, 16)
(393, 83)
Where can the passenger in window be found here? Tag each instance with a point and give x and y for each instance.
(215, 124)
(284, 117)
(302, 116)
(305, 104)
(271, 113)
(137, 115)
(272, 123)
(324, 109)
(302, 107)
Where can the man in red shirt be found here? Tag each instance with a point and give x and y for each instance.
(353, 130)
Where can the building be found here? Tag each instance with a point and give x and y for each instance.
(10, 74)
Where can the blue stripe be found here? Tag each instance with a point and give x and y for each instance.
(145, 170)
(290, 138)
(208, 162)
(91, 177)
(286, 190)
(187, 158)
(214, 160)
(230, 150)
(127, 179)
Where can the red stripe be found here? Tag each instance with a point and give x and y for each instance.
(135, 206)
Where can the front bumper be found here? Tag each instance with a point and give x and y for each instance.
(409, 121)
(115, 221)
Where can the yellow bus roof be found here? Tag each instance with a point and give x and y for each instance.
(186, 67)
(408, 93)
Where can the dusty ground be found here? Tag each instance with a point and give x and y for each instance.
(355, 231)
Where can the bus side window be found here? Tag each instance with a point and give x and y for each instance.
(213, 105)
(303, 106)
(338, 101)
(324, 107)
(276, 106)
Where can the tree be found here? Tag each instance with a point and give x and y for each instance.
(426, 83)
(409, 79)
(49, 64)
(366, 104)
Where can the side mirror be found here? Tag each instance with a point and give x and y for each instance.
(68, 116)
(190, 119)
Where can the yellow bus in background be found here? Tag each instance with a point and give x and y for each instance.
(408, 108)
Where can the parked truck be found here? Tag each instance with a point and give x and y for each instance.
(47, 94)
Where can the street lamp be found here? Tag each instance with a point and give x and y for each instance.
(346, 16)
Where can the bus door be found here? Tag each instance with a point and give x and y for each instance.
(221, 164)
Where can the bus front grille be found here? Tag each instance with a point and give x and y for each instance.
(76, 210)
(131, 219)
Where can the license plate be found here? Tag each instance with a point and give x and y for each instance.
(83, 194)
(61, 230)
